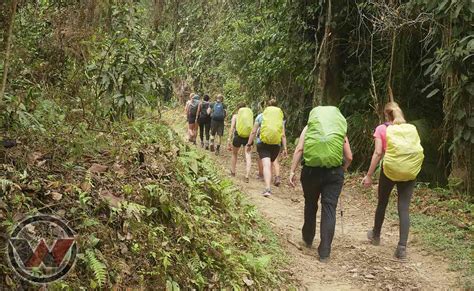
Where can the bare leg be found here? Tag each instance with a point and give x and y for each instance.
(260, 168)
(276, 167)
(248, 164)
(267, 172)
(235, 152)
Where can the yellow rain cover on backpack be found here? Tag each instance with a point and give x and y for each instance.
(404, 154)
(244, 122)
(271, 130)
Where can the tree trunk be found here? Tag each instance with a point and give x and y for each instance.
(6, 62)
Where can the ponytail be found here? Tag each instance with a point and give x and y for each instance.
(394, 113)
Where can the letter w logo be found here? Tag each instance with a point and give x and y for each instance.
(42, 254)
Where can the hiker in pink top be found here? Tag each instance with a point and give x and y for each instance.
(393, 115)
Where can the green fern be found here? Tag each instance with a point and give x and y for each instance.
(98, 268)
(5, 185)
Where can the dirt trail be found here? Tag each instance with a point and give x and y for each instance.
(354, 264)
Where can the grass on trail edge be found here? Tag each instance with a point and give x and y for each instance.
(148, 210)
(439, 228)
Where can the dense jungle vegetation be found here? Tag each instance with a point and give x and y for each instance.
(81, 79)
(102, 60)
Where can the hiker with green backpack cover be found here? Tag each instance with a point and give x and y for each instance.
(241, 128)
(325, 152)
(269, 131)
(398, 144)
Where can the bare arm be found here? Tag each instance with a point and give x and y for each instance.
(297, 155)
(232, 127)
(376, 157)
(284, 142)
(199, 110)
(186, 108)
(347, 154)
(253, 133)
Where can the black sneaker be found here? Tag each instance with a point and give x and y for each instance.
(375, 240)
(401, 253)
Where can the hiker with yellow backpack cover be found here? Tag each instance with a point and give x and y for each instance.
(397, 143)
(269, 131)
(324, 150)
(241, 128)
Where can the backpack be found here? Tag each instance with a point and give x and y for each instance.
(271, 130)
(204, 114)
(324, 139)
(244, 123)
(193, 107)
(218, 112)
(404, 154)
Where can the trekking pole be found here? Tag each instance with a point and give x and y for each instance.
(341, 205)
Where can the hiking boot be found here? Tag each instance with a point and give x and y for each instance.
(324, 260)
(277, 181)
(212, 147)
(267, 193)
(207, 147)
(375, 240)
(218, 150)
(401, 252)
(305, 244)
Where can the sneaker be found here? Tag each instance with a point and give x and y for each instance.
(401, 252)
(277, 181)
(267, 193)
(246, 179)
(375, 240)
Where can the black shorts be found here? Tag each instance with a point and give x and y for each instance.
(191, 119)
(268, 151)
(239, 141)
(217, 127)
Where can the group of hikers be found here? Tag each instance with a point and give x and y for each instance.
(324, 151)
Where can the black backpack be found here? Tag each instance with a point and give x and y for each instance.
(193, 107)
(204, 114)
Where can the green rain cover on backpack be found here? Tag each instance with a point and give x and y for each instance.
(244, 122)
(271, 131)
(324, 139)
